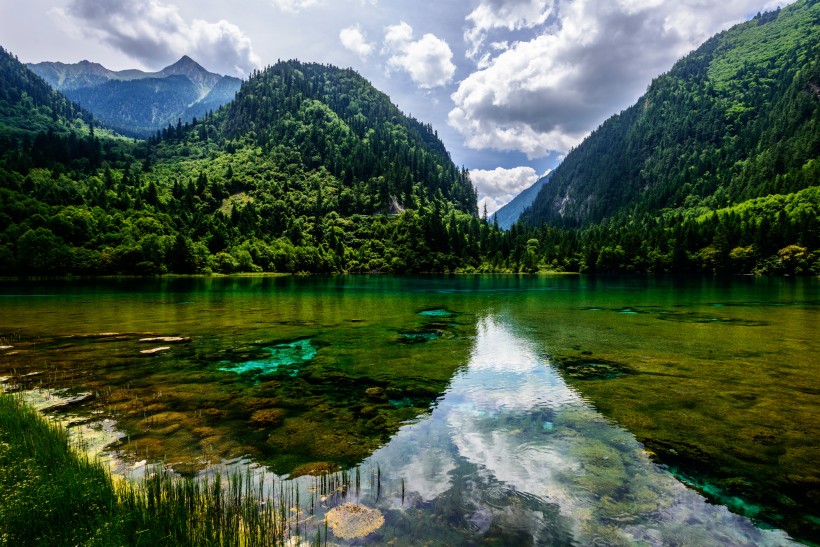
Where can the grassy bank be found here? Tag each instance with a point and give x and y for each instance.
(52, 495)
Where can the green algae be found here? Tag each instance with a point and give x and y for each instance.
(283, 355)
(438, 313)
(416, 337)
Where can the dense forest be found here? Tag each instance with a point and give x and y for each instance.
(311, 169)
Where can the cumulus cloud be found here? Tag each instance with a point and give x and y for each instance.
(428, 60)
(155, 33)
(353, 39)
(590, 60)
(503, 14)
(496, 187)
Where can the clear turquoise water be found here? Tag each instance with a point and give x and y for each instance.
(497, 409)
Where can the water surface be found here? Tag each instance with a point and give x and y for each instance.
(498, 409)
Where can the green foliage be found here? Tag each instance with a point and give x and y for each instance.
(50, 495)
(774, 235)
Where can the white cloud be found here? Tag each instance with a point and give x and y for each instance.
(590, 61)
(503, 14)
(154, 33)
(428, 61)
(353, 39)
(295, 6)
(496, 187)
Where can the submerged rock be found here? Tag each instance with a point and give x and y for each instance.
(694, 317)
(352, 520)
(591, 369)
(167, 339)
(155, 350)
(268, 417)
(375, 393)
(418, 337)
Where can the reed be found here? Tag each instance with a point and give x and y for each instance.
(51, 494)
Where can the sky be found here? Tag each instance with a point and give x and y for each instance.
(509, 85)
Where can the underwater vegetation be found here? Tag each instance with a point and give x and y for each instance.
(587, 368)
(724, 413)
(281, 355)
(322, 395)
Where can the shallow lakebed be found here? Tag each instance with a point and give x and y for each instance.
(503, 409)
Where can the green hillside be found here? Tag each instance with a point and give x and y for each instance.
(309, 169)
(338, 121)
(28, 105)
(675, 182)
(736, 119)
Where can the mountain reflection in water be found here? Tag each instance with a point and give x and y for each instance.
(512, 453)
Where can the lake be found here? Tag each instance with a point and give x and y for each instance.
(501, 410)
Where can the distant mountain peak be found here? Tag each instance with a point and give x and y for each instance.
(195, 72)
(185, 65)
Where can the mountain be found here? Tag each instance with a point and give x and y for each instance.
(190, 69)
(509, 213)
(338, 121)
(62, 76)
(308, 169)
(138, 103)
(736, 119)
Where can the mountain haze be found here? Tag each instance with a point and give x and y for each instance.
(138, 103)
(512, 211)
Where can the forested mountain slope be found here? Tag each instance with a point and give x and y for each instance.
(338, 121)
(28, 104)
(738, 118)
(309, 169)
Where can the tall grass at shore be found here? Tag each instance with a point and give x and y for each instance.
(48, 493)
(53, 495)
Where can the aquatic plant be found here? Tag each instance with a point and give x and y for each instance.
(54, 495)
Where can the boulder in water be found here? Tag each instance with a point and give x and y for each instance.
(352, 520)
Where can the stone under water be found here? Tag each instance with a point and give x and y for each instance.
(353, 520)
